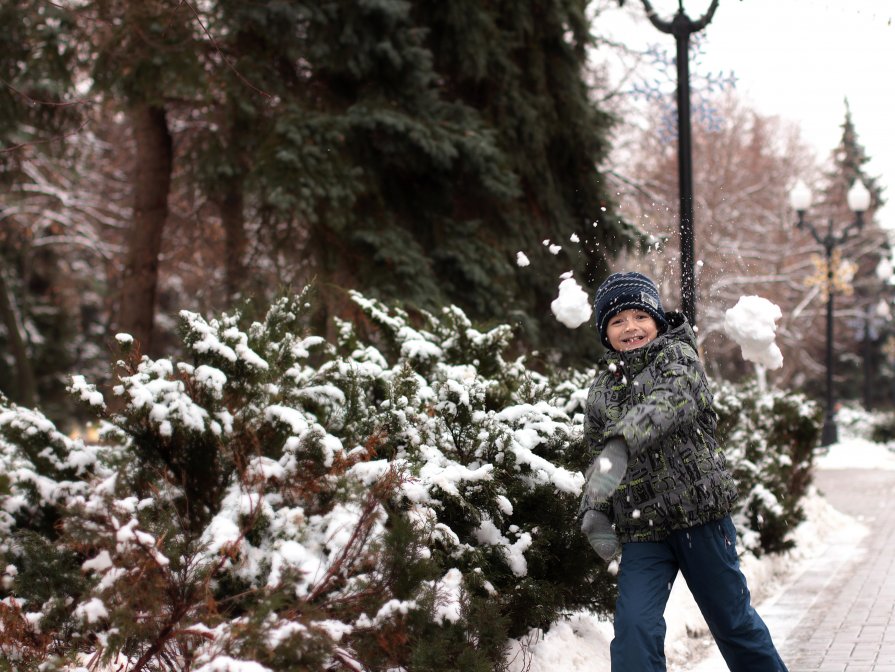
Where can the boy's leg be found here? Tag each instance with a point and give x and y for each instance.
(645, 575)
(708, 560)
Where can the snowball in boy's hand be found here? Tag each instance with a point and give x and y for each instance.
(521, 259)
(752, 324)
(572, 306)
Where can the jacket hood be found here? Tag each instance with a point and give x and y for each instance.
(679, 329)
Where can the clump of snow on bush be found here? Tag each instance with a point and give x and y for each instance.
(92, 611)
(87, 392)
(450, 592)
(752, 324)
(572, 306)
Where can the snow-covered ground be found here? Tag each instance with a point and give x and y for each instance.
(581, 642)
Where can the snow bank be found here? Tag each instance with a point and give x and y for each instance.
(857, 454)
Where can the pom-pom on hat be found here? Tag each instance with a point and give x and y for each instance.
(624, 291)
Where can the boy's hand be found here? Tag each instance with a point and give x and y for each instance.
(607, 471)
(598, 530)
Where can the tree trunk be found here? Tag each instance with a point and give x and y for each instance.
(231, 208)
(25, 392)
(152, 183)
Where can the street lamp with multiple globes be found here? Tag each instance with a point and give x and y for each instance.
(858, 201)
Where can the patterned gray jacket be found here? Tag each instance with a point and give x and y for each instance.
(657, 399)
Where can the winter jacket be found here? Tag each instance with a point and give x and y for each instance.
(657, 399)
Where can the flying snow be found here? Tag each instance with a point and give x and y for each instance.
(572, 306)
(752, 324)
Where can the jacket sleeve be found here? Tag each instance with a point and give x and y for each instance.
(679, 390)
(587, 504)
(594, 430)
(595, 423)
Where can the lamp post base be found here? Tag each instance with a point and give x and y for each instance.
(829, 434)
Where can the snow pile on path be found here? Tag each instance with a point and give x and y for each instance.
(857, 454)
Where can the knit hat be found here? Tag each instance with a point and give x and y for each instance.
(624, 291)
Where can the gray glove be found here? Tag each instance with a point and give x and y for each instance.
(607, 471)
(598, 530)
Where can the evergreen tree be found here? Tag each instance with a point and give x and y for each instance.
(377, 171)
(352, 143)
(412, 150)
(37, 59)
(522, 66)
(145, 58)
(37, 111)
(859, 326)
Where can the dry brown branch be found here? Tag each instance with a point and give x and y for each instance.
(223, 56)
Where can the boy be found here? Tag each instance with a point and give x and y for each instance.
(660, 477)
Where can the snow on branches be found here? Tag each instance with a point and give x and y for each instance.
(276, 497)
(276, 501)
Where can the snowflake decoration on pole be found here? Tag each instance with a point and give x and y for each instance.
(835, 275)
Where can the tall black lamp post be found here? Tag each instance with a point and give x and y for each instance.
(858, 201)
(682, 26)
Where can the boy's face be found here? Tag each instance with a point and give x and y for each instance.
(631, 329)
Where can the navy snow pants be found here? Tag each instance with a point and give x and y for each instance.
(706, 556)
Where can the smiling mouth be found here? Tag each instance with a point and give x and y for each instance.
(633, 340)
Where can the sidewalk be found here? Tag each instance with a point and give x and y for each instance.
(847, 596)
(838, 615)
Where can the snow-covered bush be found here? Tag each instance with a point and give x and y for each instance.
(857, 422)
(499, 452)
(273, 501)
(883, 427)
(769, 438)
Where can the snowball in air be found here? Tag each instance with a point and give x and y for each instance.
(572, 306)
(521, 259)
(752, 324)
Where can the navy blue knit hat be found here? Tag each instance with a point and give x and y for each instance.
(623, 291)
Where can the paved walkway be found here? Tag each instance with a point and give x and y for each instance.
(838, 614)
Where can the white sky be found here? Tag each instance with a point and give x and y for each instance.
(799, 59)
